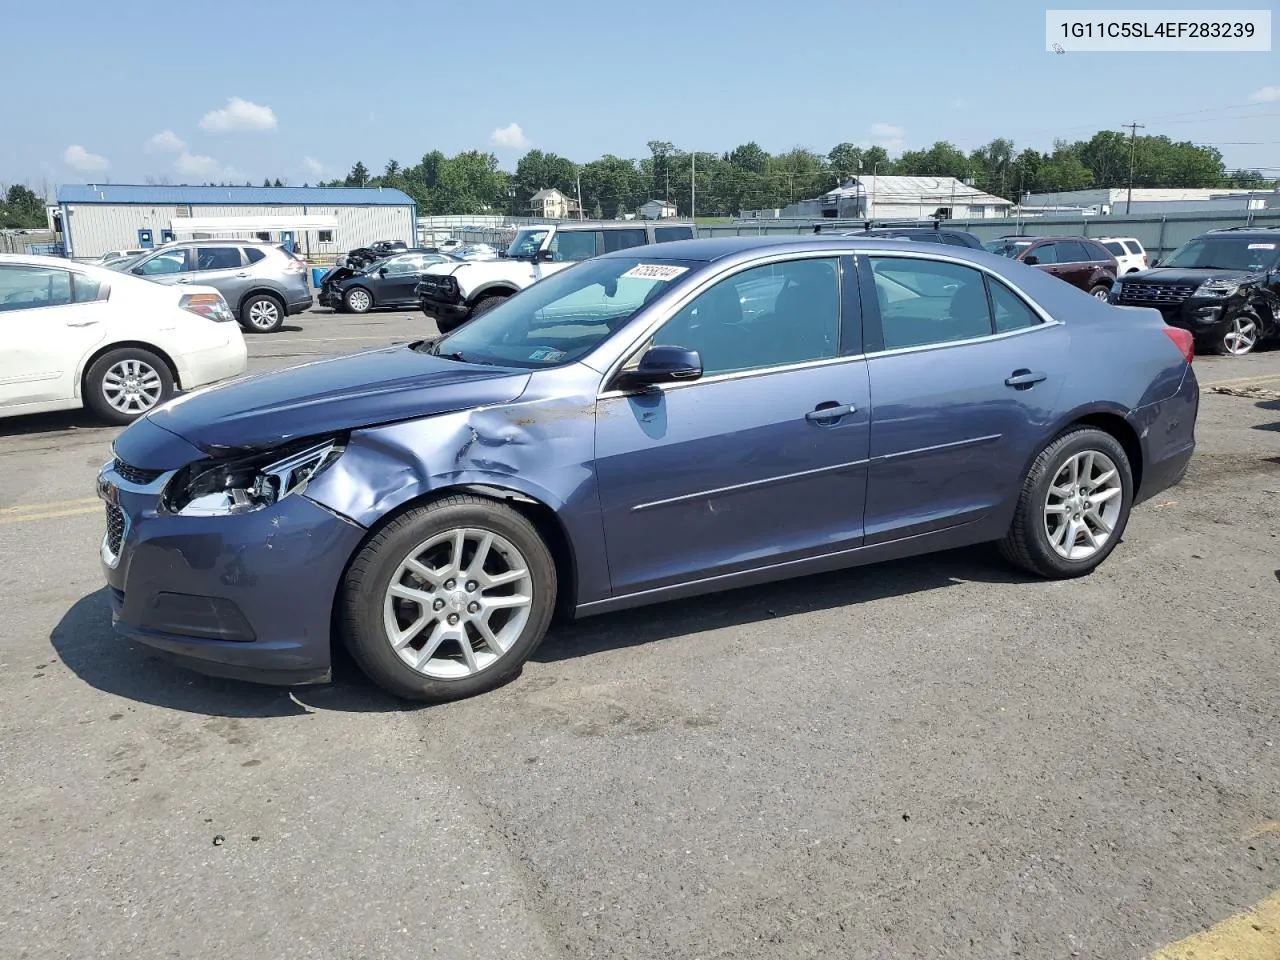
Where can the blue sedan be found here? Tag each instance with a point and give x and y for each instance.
(654, 423)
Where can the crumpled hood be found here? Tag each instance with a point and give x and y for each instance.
(448, 268)
(344, 393)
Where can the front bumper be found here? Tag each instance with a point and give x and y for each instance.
(452, 313)
(248, 596)
(1205, 318)
(329, 297)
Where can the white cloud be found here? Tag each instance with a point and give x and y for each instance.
(313, 166)
(239, 116)
(81, 159)
(1266, 95)
(166, 142)
(510, 137)
(195, 165)
(887, 135)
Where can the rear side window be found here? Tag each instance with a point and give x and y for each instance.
(253, 254)
(1072, 251)
(87, 289)
(26, 288)
(1007, 308)
(927, 301)
(622, 239)
(663, 234)
(1116, 248)
(1134, 247)
(1097, 251)
(217, 258)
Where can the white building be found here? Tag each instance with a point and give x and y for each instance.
(95, 218)
(895, 198)
(657, 209)
(1148, 200)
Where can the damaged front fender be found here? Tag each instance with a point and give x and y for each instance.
(541, 448)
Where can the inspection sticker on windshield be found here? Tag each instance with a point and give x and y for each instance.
(654, 271)
(546, 355)
(1262, 246)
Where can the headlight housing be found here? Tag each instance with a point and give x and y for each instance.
(1219, 288)
(214, 488)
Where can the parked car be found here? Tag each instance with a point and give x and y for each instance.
(1224, 287)
(618, 434)
(474, 251)
(77, 334)
(262, 283)
(453, 293)
(957, 238)
(119, 255)
(383, 283)
(1130, 254)
(1082, 262)
(379, 250)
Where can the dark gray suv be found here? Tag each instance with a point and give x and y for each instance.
(262, 283)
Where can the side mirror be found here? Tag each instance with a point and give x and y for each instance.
(546, 256)
(1155, 262)
(382, 271)
(1030, 259)
(136, 270)
(664, 365)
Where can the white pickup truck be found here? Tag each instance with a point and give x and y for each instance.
(453, 293)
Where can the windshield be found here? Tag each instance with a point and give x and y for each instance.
(565, 316)
(1224, 253)
(1006, 248)
(527, 243)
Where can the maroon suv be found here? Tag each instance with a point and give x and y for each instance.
(1082, 262)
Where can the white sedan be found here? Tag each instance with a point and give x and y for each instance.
(76, 334)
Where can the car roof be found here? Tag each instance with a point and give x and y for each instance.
(607, 224)
(1268, 233)
(717, 248)
(214, 241)
(1109, 239)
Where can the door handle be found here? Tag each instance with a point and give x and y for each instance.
(182, 280)
(831, 411)
(1022, 379)
(242, 274)
(81, 323)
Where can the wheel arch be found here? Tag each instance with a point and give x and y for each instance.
(252, 292)
(1110, 420)
(87, 364)
(496, 288)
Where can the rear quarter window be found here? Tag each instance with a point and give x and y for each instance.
(253, 254)
(1116, 248)
(664, 234)
(1134, 247)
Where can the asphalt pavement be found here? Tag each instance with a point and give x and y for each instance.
(937, 757)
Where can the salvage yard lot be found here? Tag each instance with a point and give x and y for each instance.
(936, 757)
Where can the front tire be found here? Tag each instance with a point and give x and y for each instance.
(1241, 335)
(358, 300)
(487, 303)
(1074, 506)
(123, 385)
(448, 600)
(262, 313)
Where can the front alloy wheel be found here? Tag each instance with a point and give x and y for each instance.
(358, 300)
(1242, 336)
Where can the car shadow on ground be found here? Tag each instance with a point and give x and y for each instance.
(1270, 406)
(57, 422)
(840, 588)
(88, 645)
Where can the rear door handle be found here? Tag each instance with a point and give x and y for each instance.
(831, 411)
(241, 274)
(1021, 379)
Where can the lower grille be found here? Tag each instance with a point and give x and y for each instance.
(115, 528)
(136, 474)
(1142, 293)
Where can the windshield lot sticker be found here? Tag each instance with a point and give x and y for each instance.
(654, 271)
(547, 355)
(1262, 246)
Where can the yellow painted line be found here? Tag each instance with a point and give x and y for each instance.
(45, 507)
(1252, 935)
(1243, 381)
(50, 515)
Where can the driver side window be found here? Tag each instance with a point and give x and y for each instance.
(768, 316)
(170, 261)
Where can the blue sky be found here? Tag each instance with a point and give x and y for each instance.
(302, 90)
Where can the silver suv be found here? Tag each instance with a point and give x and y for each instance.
(262, 283)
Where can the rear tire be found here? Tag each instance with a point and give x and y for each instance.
(1100, 292)
(1053, 506)
(422, 580)
(123, 385)
(262, 313)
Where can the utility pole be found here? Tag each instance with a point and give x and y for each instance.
(693, 186)
(579, 180)
(1133, 151)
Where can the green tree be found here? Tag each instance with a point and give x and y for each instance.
(543, 171)
(845, 160)
(358, 177)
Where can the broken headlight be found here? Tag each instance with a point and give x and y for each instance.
(215, 488)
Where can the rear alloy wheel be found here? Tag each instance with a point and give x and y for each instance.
(448, 600)
(1100, 292)
(123, 385)
(262, 314)
(1074, 506)
(358, 300)
(1242, 336)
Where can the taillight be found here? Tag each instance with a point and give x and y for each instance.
(208, 305)
(294, 265)
(1183, 341)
